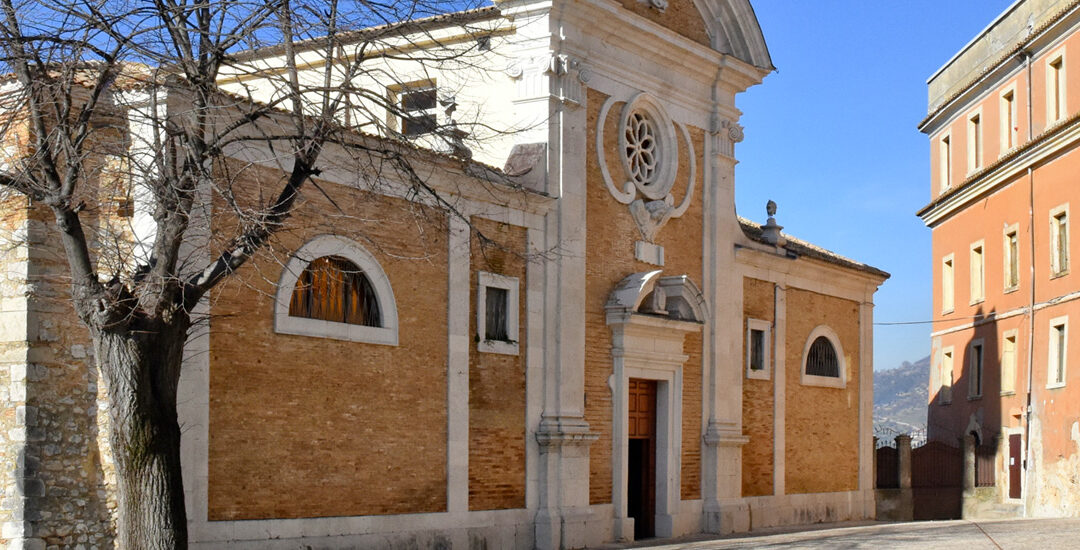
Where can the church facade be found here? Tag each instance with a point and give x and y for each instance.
(586, 345)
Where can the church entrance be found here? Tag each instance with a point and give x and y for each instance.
(641, 467)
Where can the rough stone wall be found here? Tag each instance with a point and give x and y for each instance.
(55, 482)
(55, 466)
(313, 427)
(680, 16)
(610, 257)
(822, 424)
(758, 398)
(497, 382)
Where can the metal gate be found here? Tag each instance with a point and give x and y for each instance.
(937, 478)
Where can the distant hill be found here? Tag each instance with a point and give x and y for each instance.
(900, 397)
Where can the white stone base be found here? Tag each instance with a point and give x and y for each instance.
(510, 529)
(748, 514)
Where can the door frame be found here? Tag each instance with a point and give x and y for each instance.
(649, 348)
(1008, 433)
(650, 316)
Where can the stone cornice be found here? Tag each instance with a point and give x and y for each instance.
(998, 174)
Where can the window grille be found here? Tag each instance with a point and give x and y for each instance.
(332, 288)
(822, 360)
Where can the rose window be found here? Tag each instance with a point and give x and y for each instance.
(642, 149)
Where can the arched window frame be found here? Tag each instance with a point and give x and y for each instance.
(332, 245)
(824, 381)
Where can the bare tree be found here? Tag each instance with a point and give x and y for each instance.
(84, 71)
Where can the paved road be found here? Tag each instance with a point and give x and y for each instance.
(1049, 534)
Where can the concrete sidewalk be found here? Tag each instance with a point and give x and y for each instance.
(959, 535)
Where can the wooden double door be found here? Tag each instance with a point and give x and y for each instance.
(641, 466)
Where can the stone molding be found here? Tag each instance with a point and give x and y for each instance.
(555, 432)
(326, 245)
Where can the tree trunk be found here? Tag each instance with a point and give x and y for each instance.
(141, 369)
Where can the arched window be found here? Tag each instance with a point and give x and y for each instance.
(332, 288)
(823, 359)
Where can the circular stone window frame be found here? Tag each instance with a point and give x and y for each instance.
(333, 245)
(825, 381)
(666, 146)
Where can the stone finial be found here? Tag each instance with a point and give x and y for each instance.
(771, 230)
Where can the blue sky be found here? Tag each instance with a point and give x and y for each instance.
(832, 138)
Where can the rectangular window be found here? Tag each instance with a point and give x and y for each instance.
(945, 391)
(975, 374)
(1059, 240)
(1055, 89)
(497, 313)
(947, 284)
(1009, 127)
(974, 143)
(757, 348)
(497, 307)
(945, 163)
(1012, 258)
(1008, 363)
(978, 287)
(1059, 331)
(417, 108)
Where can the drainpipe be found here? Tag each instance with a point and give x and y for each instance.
(1031, 273)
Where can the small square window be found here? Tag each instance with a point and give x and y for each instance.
(416, 107)
(497, 313)
(757, 348)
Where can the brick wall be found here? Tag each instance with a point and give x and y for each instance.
(758, 398)
(822, 424)
(307, 427)
(610, 257)
(681, 16)
(497, 382)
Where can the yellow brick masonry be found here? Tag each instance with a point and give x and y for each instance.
(610, 257)
(758, 399)
(312, 427)
(497, 382)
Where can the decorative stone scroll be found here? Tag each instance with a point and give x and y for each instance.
(560, 76)
(649, 154)
(725, 134)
